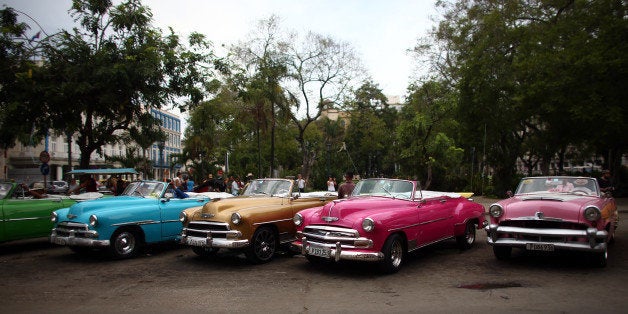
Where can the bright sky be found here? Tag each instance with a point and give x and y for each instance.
(381, 31)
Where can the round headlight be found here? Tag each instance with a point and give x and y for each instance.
(53, 217)
(298, 219)
(183, 217)
(236, 218)
(368, 224)
(495, 211)
(592, 213)
(93, 220)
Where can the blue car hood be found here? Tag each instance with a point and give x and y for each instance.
(98, 205)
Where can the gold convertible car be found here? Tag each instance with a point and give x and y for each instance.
(258, 222)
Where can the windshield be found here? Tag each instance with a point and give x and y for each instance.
(270, 187)
(570, 185)
(145, 189)
(384, 187)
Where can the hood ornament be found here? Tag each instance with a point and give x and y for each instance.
(539, 215)
(71, 216)
(207, 215)
(329, 219)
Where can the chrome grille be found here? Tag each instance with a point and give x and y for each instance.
(202, 228)
(79, 230)
(329, 236)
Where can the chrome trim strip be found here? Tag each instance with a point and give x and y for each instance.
(143, 222)
(417, 224)
(272, 221)
(22, 219)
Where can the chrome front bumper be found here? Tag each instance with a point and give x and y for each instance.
(72, 240)
(561, 239)
(210, 242)
(337, 253)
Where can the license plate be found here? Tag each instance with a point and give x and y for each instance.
(196, 242)
(319, 251)
(59, 241)
(540, 247)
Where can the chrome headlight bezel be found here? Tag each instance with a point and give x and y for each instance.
(592, 213)
(368, 224)
(93, 220)
(298, 219)
(236, 219)
(183, 217)
(496, 211)
(54, 216)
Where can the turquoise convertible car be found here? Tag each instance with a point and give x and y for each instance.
(146, 212)
(25, 217)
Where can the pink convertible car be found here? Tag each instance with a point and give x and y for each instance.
(554, 214)
(383, 220)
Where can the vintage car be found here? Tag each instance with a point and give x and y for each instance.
(258, 222)
(147, 212)
(383, 220)
(554, 214)
(25, 217)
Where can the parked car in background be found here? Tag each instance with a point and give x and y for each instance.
(145, 213)
(60, 187)
(553, 214)
(257, 222)
(24, 217)
(383, 220)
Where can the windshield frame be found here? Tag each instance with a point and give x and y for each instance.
(154, 189)
(558, 185)
(384, 187)
(269, 187)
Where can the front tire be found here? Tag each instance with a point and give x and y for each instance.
(124, 244)
(466, 240)
(600, 259)
(263, 246)
(394, 253)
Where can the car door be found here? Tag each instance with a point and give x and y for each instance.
(435, 219)
(29, 218)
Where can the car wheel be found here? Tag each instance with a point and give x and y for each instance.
(124, 244)
(394, 252)
(204, 251)
(263, 246)
(466, 240)
(502, 252)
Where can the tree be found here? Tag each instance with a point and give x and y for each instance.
(104, 76)
(320, 74)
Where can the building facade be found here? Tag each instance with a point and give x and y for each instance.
(22, 164)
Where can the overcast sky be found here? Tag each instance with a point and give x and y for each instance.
(380, 30)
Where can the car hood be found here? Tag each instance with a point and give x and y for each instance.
(109, 203)
(347, 212)
(225, 207)
(566, 207)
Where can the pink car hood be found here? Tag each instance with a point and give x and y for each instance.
(565, 207)
(351, 211)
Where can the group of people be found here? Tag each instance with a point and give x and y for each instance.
(344, 191)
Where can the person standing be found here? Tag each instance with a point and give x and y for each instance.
(346, 188)
(219, 182)
(300, 183)
(331, 185)
(606, 186)
(235, 186)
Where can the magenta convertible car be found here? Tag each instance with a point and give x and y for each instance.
(553, 214)
(383, 220)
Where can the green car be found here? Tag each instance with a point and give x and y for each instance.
(24, 217)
